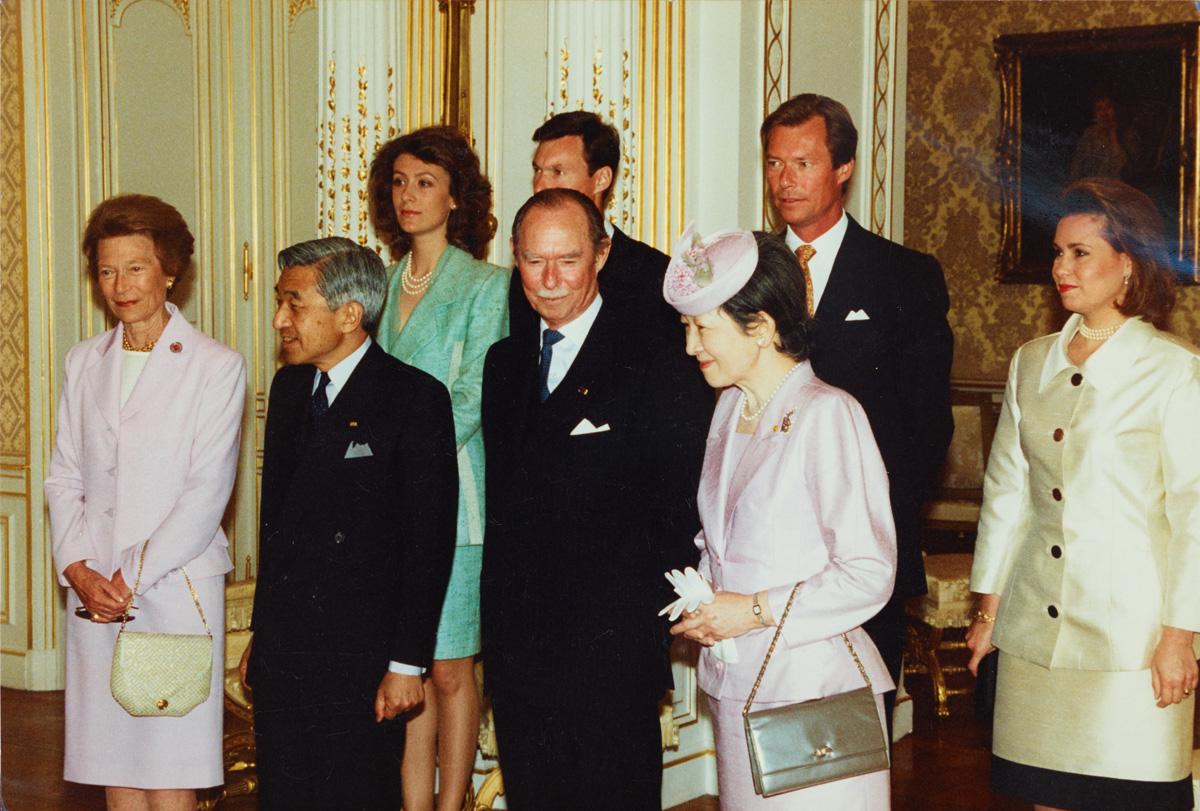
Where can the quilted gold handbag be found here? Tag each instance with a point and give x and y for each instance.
(162, 674)
(813, 742)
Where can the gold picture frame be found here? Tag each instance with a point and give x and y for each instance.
(1121, 102)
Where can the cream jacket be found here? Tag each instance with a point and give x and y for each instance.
(1090, 528)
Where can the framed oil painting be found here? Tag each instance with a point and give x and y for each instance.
(1117, 102)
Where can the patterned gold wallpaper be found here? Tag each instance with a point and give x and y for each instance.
(14, 333)
(952, 202)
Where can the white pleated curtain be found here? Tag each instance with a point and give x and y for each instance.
(360, 43)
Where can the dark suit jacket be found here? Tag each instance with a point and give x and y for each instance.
(897, 365)
(580, 529)
(633, 275)
(354, 554)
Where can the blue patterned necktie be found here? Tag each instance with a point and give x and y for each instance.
(319, 403)
(549, 338)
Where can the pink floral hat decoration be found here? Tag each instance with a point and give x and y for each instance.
(706, 273)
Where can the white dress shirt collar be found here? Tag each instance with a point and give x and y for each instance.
(574, 334)
(340, 373)
(820, 267)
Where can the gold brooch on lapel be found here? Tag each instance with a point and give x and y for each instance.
(177, 347)
(785, 424)
(583, 390)
(353, 423)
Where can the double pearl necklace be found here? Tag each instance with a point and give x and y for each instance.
(751, 416)
(1098, 334)
(409, 283)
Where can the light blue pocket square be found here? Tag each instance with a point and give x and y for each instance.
(357, 451)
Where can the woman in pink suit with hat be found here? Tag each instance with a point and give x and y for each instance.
(793, 492)
(144, 460)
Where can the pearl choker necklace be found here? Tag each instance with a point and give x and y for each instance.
(1098, 334)
(410, 284)
(752, 416)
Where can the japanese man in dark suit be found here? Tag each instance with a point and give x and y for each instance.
(357, 524)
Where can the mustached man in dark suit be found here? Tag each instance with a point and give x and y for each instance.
(579, 150)
(881, 330)
(594, 429)
(359, 497)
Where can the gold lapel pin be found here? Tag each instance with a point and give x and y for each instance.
(353, 423)
(583, 390)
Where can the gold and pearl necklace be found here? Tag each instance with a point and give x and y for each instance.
(752, 416)
(409, 283)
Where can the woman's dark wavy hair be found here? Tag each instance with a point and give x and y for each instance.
(1131, 224)
(776, 288)
(471, 225)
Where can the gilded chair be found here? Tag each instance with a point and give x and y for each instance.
(953, 510)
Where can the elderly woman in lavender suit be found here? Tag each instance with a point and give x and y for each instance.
(793, 492)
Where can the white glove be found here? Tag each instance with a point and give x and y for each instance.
(694, 590)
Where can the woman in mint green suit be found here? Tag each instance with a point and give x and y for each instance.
(445, 307)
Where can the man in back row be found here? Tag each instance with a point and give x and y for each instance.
(880, 312)
(578, 150)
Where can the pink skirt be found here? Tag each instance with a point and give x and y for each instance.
(735, 784)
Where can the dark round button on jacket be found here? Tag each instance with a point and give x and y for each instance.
(1076, 379)
(1053, 612)
(1057, 494)
(1056, 551)
(1058, 434)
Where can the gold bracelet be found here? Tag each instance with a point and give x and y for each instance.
(982, 616)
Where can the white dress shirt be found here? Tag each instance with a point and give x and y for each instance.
(338, 376)
(574, 334)
(820, 267)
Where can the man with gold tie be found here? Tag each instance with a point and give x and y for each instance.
(881, 330)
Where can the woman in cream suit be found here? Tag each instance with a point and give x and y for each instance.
(445, 308)
(145, 458)
(1088, 555)
(793, 491)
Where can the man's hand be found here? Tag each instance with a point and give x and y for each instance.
(105, 600)
(397, 694)
(1173, 671)
(244, 663)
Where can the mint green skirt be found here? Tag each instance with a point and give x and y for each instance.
(458, 629)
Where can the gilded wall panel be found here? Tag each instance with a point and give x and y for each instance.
(14, 326)
(952, 201)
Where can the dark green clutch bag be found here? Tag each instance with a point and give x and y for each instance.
(813, 742)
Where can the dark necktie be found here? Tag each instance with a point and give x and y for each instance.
(319, 403)
(549, 338)
(804, 253)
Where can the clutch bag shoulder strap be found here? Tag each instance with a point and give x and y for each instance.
(775, 639)
(138, 581)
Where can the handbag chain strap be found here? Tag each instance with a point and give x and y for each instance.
(138, 581)
(779, 632)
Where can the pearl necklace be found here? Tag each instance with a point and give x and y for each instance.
(752, 416)
(410, 284)
(1098, 334)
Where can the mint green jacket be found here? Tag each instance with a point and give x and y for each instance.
(448, 334)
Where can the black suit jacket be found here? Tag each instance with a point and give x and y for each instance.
(632, 276)
(897, 365)
(354, 553)
(580, 529)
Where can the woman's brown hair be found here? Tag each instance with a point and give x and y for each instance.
(142, 214)
(1131, 224)
(470, 225)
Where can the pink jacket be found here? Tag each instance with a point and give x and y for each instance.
(160, 468)
(807, 502)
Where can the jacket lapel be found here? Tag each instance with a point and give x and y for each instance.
(429, 319)
(714, 481)
(839, 292)
(104, 378)
(171, 352)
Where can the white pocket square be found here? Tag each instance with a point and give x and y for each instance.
(357, 451)
(585, 427)
(857, 315)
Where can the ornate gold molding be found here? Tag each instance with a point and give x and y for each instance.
(297, 7)
(456, 63)
(881, 152)
(182, 6)
(776, 54)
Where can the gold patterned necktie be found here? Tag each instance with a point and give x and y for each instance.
(805, 253)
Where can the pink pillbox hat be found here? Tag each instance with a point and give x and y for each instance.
(706, 273)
